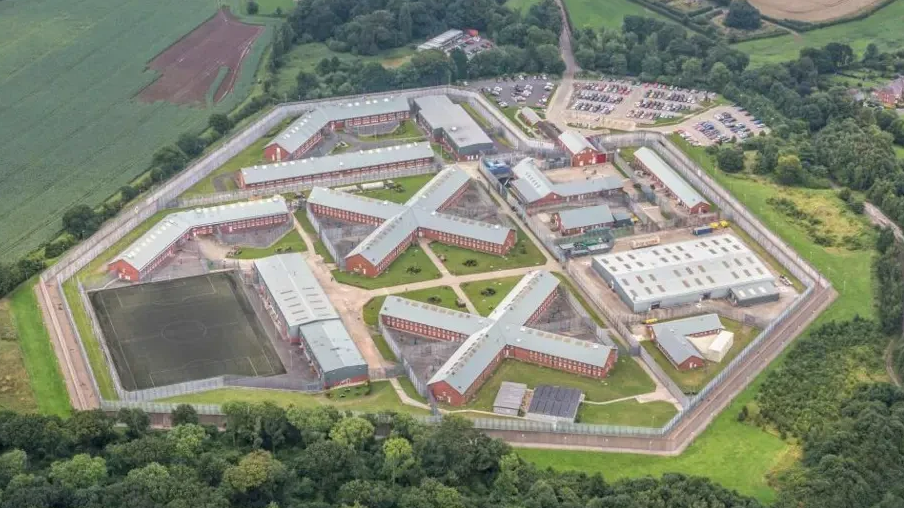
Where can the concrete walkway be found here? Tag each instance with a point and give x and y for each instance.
(404, 396)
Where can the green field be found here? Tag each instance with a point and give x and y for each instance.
(397, 274)
(409, 185)
(605, 13)
(268, 7)
(381, 399)
(47, 391)
(524, 253)
(520, 5)
(884, 28)
(693, 380)
(627, 412)
(290, 242)
(68, 72)
(486, 303)
(305, 57)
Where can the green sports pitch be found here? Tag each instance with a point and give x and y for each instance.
(182, 330)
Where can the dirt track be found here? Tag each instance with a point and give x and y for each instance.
(190, 67)
(811, 10)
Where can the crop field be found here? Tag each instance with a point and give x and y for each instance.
(882, 28)
(812, 10)
(69, 72)
(606, 13)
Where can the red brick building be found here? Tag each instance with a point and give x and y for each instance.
(580, 149)
(398, 226)
(308, 130)
(891, 94)
(506, 334)
(164, 240)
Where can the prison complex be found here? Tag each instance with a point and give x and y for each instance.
(305, 132)
(506, 333)
(400, 225)
(305, 317)
(534, 188)
(688, 342)
(649, 161)
(575, 221)
(451, 126)
(580, 150)
(687, 272)
(163, 241)
(366, 164)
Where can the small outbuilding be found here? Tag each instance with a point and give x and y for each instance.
(509, 398)
(555, 404)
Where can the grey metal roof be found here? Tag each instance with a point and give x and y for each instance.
(754, 291)
(557, 401)
(267, 173)
(401, 221)
(530, 115)
(684, 268)
(306, 126)
(441, 113)
(672, 335)
(464, 323)
(587, 216)
(440, 40)
(533, 185)
(510, 395)
(506, 325)
(352, 202)
(620, 216)
(302, 302)
(165, 233)
(679, 187)
(575, 142)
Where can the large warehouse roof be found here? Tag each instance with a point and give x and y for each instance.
(694, 266)
(303, 129)
(441, 113)
(302, 302)
(151, 244)
(587, 216)
(420, 211)
(533, 185)
(679, 187)
(575, 142)
(441, 40)
(272, 173)
(672, 336)
(507, 325)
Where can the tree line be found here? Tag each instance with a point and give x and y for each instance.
(317, 457)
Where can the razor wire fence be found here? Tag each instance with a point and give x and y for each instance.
(324, 238)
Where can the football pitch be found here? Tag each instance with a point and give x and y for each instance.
(181, 330)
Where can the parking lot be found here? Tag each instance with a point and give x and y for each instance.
(595, 102)
(720, 125)
(533, 91)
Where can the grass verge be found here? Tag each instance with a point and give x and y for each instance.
(405, 188)
(319, 247)
(290, 242)
(523, 254)
(628, 412)
(411, 266)
(486, 294)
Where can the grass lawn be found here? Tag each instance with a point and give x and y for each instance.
(483, 122)
(397, 273)
(628, 412)
(511, 112)
(608, 13)
(408, 186)
(268, 7)
(410, 390)
(691, 381)
(290, 242)
(319, 247)
(32, 351)
(486, 303)
(307, 56)
(91, 342)
(381, 399)
(520, 5)
(524, 253)
(445, 295)
(616, 386)
(408, 130)
(882, 28)
(383, 347)
(899, 150)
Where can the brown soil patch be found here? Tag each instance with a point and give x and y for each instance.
(811, 10)
(189, 67)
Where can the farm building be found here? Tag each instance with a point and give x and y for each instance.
(891, 94)
(305, 132)
(687, 272)
(509, 398)
(304, 316)
(443, 41)
(580, 149)
(344, 165)
(688, 342)
(400, 225)
(554, 404)
(164, 240)
(534, 188)
(578, 220)
(650, 162)
(505, 334)
(529, 116)
(450, 125)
